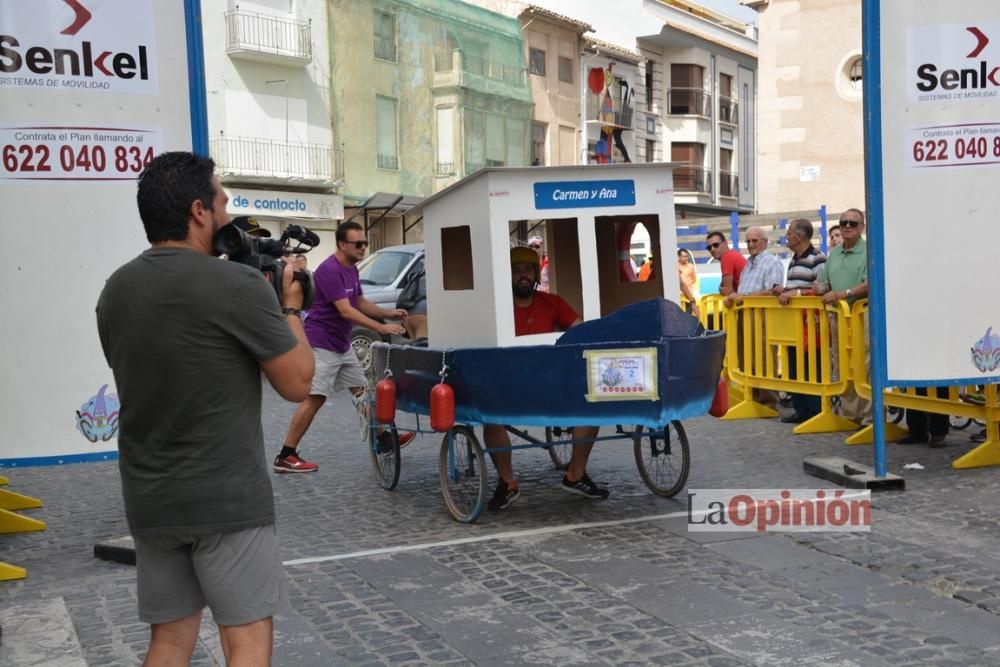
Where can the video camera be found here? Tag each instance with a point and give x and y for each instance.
(265, 255)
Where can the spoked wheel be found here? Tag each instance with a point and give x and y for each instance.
(559, 453)
(663, 458)
(385, 457)
(462, 468)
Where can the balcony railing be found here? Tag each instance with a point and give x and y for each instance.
(729, 184)
(693, 179)
(688, 102)
(457, 69)
(272, 39)
(728, 109)
(266, 159)
(445, 168)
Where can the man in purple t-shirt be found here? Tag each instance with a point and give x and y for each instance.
(339, 304)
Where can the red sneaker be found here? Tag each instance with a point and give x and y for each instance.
(293, 463)
(405, 438)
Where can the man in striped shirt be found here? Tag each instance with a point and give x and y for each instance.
(804, 269)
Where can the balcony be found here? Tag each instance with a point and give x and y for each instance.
(276, 162)
(697, 180)
(729, 184)
(688, 102)
(456, 69)
(728, 110)
(269, 39)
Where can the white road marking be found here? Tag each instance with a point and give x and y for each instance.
(508, 535)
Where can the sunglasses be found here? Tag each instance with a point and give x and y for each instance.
(713, 246)
(850, 223)
(357, 244)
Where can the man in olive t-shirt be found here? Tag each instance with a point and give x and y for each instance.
(187, 335)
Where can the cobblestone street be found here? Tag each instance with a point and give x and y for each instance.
(380, 577)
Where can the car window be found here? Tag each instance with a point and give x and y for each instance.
(417, 267)
(383, 267)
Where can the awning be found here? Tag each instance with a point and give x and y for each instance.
(385, 204)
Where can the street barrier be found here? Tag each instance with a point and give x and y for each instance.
(986, 408)
(12, 522)
(713, 317)
(767, 343)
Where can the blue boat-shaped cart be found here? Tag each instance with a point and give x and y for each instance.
(649, 365)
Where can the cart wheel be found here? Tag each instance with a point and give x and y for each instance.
(462, 468)
(663, 458)
(385, 457)
(959, 422)
(895, 415)
(559, 453)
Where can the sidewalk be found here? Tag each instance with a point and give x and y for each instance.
(554, 579)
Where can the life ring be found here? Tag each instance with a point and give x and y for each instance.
(623, 244)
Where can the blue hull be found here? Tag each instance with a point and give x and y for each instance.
(547, 385)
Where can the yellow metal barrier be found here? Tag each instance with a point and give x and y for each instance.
(11, 522)
(986, 454)
(766, 340)
(712, 315)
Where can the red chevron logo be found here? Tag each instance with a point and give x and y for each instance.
(81, 19)
(983, 40)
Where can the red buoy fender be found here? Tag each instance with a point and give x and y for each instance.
(385, 401)
(720, 403)
(442, 407)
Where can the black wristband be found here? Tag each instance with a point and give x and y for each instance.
(297, 312)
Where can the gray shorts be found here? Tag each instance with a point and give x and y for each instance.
(238, 575)
(335, 372)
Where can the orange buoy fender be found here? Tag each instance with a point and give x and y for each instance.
(385, 401)
(720, 403)
(442, 407)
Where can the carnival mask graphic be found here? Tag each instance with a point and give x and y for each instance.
(612, 377)
(97, 419)
(986, 352)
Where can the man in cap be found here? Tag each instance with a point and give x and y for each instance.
(250, 225)
(537, 312)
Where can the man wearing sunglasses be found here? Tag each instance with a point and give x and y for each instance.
(339, 304)
(845, 277)
(730, 261)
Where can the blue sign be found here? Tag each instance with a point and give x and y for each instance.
(584, 194)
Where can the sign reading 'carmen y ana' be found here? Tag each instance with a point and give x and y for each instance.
(584, 194)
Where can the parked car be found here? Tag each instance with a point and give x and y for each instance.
(383, 275)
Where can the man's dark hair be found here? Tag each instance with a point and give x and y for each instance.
(722, 237)
(167, 188)
(832, 229)
(346, 227)
(858, 211)
(803, 228)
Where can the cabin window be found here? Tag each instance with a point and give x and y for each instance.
(617, 239)
(456, 253)
(559, 254)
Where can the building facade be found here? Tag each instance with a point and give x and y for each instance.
(425, 92)
(267, 82)
(811, 123)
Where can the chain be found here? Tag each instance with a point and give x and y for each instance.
(444, 364)
(388, 352)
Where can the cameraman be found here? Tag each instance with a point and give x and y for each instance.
(187, 336)
(338, 306)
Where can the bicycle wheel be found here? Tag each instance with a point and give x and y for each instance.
(559, 453)
(663, 458)
(385, 456)
(462, 469)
